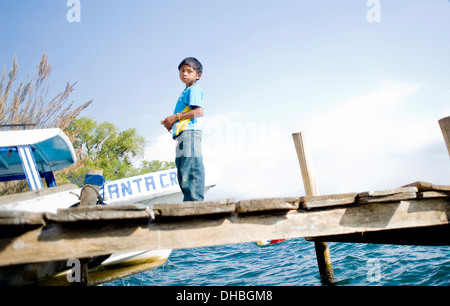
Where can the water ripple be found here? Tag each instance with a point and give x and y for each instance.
(293, 263)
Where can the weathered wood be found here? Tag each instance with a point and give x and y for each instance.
(21, 218)
(445, 127)
(84, 274)
(440, 187)
(246, 206)
(425, 186)
(99, 212)
(120, 207)
(433, 194)
(421, 186)
(311, 190)
(89, 195)
(58, 242)
(387, 198)
(306, 165)
(193, 208)
(388, 192)
(327, 200)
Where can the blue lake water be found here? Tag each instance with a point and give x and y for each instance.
(293, 263)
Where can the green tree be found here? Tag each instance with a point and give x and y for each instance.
(102, 146)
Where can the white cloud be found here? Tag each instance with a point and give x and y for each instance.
(162, 149)
(377, 121)
(256, 158)
(373, 141)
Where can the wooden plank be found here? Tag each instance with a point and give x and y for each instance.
(425, 186)
(306, 165)
(421, 186)
(388, 192)
(387, 198)
(19, 222)
(136, 207)
(185, 209)
(99, 213)
(441, 187)
(432, 194)
(328, 200)
(256, 205)
(20, 218)
(57, 242)
(444, 123)
(82, 216)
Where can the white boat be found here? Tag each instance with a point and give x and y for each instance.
(36, 154)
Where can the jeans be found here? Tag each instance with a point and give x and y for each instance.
(189, 162)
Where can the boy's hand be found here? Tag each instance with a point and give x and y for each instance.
(164, 122)
(169, 121)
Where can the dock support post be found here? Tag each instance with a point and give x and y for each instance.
(309, 182)
(90, 196)
(84, 272)
(445, 127)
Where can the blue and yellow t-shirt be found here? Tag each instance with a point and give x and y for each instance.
(189, 99)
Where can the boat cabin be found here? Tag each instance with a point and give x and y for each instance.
(34, 154)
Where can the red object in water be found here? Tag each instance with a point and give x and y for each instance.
(277, 241)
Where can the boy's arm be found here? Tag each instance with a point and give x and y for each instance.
(194, 113)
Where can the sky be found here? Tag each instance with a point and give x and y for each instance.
(366, 80)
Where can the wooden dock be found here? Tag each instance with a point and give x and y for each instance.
(416, 213)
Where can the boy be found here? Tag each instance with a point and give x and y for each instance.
(187, 132)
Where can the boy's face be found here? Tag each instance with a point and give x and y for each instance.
(188, 75)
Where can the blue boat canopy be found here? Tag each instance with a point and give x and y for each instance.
(34, 153)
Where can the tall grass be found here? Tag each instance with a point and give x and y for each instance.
(24, 104)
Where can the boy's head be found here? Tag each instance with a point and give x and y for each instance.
(190, 71)
(192, 62)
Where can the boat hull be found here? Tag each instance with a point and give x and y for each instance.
(113, 268)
